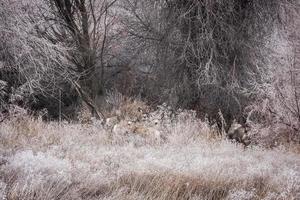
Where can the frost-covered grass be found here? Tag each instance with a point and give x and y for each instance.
(168, 160)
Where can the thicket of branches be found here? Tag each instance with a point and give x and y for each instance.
(204, 42)
(32, 66)
(197, 46)
(63, 53)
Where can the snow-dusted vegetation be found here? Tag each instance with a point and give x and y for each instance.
(150, 159)
(149, 99)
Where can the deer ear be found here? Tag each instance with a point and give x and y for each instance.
(247, 125)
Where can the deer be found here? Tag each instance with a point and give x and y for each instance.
(221, 107)
(239, 133)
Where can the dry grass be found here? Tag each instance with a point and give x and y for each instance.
(44, 161)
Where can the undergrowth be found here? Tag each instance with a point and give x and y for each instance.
(155, 157)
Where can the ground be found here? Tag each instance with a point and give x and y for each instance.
(169, 160)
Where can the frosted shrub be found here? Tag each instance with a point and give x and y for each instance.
(114, 98)
(242, 195)
(2, 190)
(39, 163)
(276, 109)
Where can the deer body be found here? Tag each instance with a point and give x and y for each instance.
(238, 133)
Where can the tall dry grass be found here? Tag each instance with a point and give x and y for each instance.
(167, 159)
